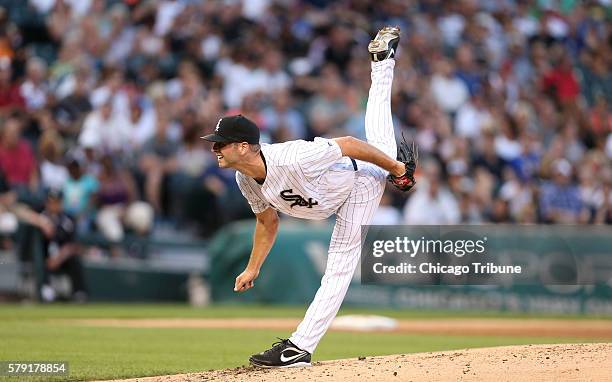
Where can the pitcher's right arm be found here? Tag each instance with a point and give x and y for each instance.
(266, 228)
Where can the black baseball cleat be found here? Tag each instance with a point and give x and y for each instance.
(282, 354)
(384, 44)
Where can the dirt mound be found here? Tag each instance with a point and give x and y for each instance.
(572, 362)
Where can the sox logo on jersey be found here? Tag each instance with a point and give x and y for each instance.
(298, 200)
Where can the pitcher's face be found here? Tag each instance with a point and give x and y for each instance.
(230, 154)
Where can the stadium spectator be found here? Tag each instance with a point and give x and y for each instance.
(53, 172)
(432, 203)
(193, 201)
(561, 83)
(71, 109)
(448, 90)
(34, 90)
(78, 194)
(158, 160)
(104, 129)
(141, 123)
(328, 109)
(118, 206)
(282, 120)
(8, 220)
(472, 116)
(61, 252)
(560, 198)
(10, 94)
(17, 160)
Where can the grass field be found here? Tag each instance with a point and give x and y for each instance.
(38, 333)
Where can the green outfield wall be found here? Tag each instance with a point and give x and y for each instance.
(293, 270)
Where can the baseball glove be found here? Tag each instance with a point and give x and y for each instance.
(409, 155)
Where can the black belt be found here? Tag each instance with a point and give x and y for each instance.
(354, 164)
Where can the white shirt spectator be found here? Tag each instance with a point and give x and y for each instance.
(42, 6)
(526, 25)
(119, 99)
(66, 85)
(143, 129)
(254, 9)
(34, 89)
(556, 27)
(53, 175)
(470, 119)
(518, 196)
(273, 81)
(592, 195)
(451, 27)
(239, 81)
(35, 96)
(104, 134)
(211, 46)
(506, 148)
(166, 13)
(79, 7)
(422, 208)
(121, 47)
(609, 146)
(496, 40)
(448, 92)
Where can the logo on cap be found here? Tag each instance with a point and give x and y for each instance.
(218, 123)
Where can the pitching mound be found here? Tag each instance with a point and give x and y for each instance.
(572, 362)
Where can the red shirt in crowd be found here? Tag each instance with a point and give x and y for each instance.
(18, 163)
(11, 97)
(563, 82)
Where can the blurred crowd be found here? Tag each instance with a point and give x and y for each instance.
(103, 103)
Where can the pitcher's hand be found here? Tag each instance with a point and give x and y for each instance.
(245, 280)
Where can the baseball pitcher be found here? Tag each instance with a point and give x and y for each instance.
(314, 180)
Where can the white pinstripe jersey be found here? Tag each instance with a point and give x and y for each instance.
(304, 179)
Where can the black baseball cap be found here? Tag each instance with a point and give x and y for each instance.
(235, 128)
(54, 193)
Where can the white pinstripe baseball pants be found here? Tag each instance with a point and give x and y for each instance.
(357, 210)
